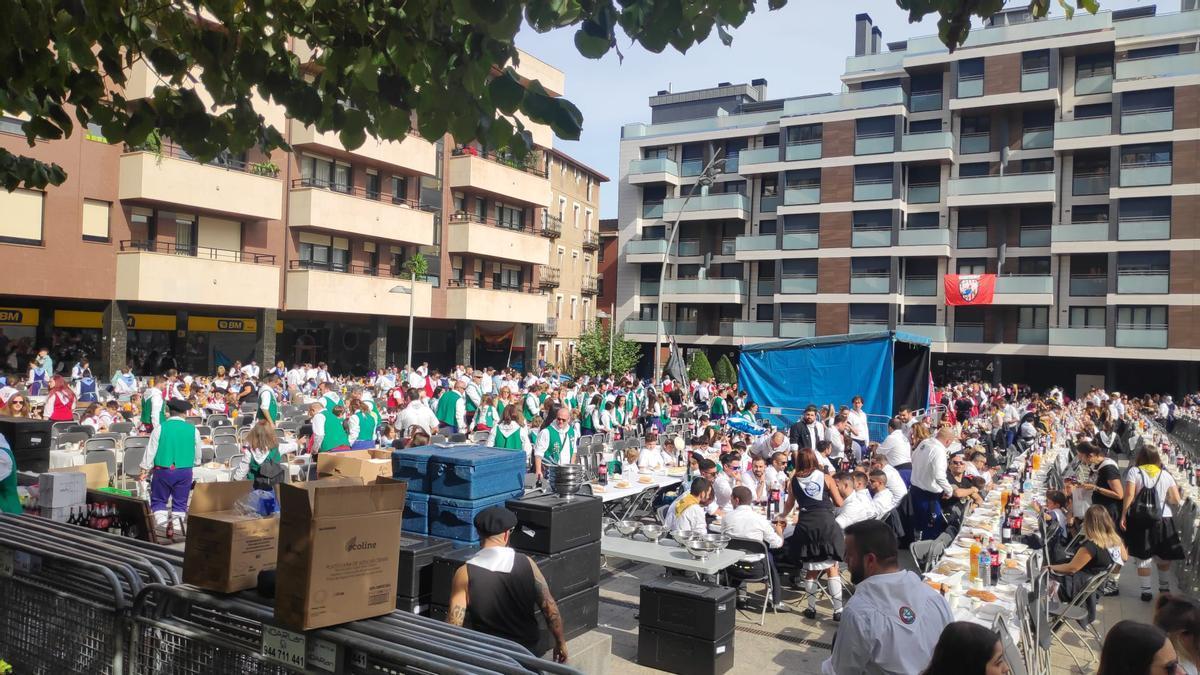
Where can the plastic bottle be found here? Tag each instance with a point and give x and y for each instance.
(974, 558)
(985, 565)
(995, 560)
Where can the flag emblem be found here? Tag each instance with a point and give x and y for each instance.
(968, 287)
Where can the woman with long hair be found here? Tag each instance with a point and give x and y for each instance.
(1179, 618)
(966, 648)
(1151, 536)
(60, 401)
(1133, 648)
(486, 416)
(510, 433)
(17, 406)
(1101, 548)
(91, 418)
(260, 447)
(817, 542)
(361, 424)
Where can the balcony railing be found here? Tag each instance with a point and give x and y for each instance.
(1034, 236)
(874, 283)
(1083, 128)
(924, 101)
(874, 144)
(797, 329)
(872, 190)
(760, 329)
(1143, 281)
(974, 143)
(1150, 173)
(590, 285)
(930, 140)
(972, 238)
(1079, 232)
(798, 285)
(549, 277)
(709, 202)
(1034, 80)
(1093, 84)
(920, 286)
(551, 226)
(1025, 284)
(968, 332)
(649, 288)
(924, 193)
(687, 247)
(1143, 121)
(769, 203)
(970, 87)
(1173, 65)
(935, 236)
(591, 240)
(870, 236)
(549, 328)
(1078, 336)
(765, 287)
(934, 332)
(806, 194)
(854, 100)
(755, 242)
(709, 286)
(1013, 182)
(490, 284)
(729, 246)
(800, 241)
(798, 152)
(1090, 183)
(1141, 336)
(1027, 335)
(759, 156)
(192, 251)
(1143, 228)
(356, 191)
(1088, 285)
(867, 326)
(386, 271)
(1035, 138)
(530, 164)
(459, 217)
(266, 168)
(654, 165)
(646, 247)
(652, 209)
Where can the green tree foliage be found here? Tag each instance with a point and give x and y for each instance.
(591, 354)
(700, 369)
(371, 66)
(416, 267)
(725, 372)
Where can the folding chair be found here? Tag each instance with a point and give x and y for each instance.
(1012, 654)
(99, 444)
(135, 442)
(121, 428)
(926, 553)
(58, 428)
(224, 452)
(1065, 615)
(81, 429)
(207, 455)
(754, 567)
(437, 438)
(69, 439)
(131, 468)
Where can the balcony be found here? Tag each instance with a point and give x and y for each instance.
(937, 236)
(1142, 337)
(808, 194)
(251, 191)
(1093, 84)
(549, 277)
(800, 241)
(1088, 285)
(797, 329)
(468, 301)
(755, 242)
(798, 285)
(872, 190)
(750, 329)
(1014, 188)
(654, 170)
(765, 287)
(1035, 80)
(854, 100)
(1034, 289)
(414, 154)
(863, 237)
(1090, 183)
(549, 328)
(974, 143)
(353, 210)
(652, 210)
(934, 332)
(1141, 175)
(356, 291)
(1077, 337)
(1035, 139)
(648, 288)
(686, 248)
(769, 203)
(968, 332)
(161, 272)
(729, 246)
(932, 140)
(1087, 127)
(1158, 67)
(591, 240)
(874, 144)
(1143, 282)
(590, 285)
(876, 284)
(489, 238)
(1033, 336)
(645, 250)
(924, 193)
(866, 326)
(920, 286)
(970, 87)
(925, 101)
(799, 152)
(750, 160)
(644, 327)
(732, 291)
(972, 238)
(1033, 236)
(1144, 121)
(1157, 25)
(523, 181)
(1069, 232)
(1143, 229)
(707, 207)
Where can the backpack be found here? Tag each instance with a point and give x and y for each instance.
(1145, 509)
(270, 474)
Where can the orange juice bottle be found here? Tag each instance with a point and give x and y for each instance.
(975, 549)
(1004, 494)
(1037, 461)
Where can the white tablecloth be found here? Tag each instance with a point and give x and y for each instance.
(612, 493)
(204, 474)
(64, 458)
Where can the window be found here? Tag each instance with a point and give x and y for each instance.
(1090, 213)
(575, 215)
(924, 221)
(23, 216)
(804, 134)
(770, 140)
(325, 252)
(96, 220)
(587, 219)
(690, 271)
(654, 153)
(142, 224)
(574, 302)
(970, 69)
(764, 312)
(801, 223)
(1035, 62)
(589, 190)
(562, 201)
(1145, 209)
(1141, 317)
(1037, 119)
(1086, 317)
(1033, 317)
(802, 178)
(799, 268)
(870, 267)
(1150, 154)
(512, 217)
(321, 172)
(558, 306)
(11, 125)
(507, 277)
(873, 173)
(1144, 261)
(373, 184)
(972, 169)
(1039, 165)
(769, 186)
(1152, 52)
(185, 234)
(1092, 65)
(1084, 112)
(875, 126)
(920, 315)
(803, 312)
(924, 126)
(400, 190)
(869, 313)
(1150, 100)
(372, 255)
(1033, 266)
(872, 220)
(766, 226)
(975, 134)
(972, 266)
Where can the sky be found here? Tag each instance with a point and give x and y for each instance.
(800, 49)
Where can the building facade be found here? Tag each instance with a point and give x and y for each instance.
(606, 264)
(571, 279)
(1060, 155)
(145, 256)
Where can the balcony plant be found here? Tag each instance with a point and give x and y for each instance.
(267, 168)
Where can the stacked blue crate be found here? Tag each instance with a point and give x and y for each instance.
(451, 484)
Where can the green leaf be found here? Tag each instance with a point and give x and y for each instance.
(506, 91)
(592, 43)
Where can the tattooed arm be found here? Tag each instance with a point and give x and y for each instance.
(458, 598)
(550, 612)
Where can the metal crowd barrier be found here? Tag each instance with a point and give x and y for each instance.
(74, 600)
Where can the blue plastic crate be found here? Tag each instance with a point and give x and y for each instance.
(455, 518)
(412, 465)
(416, 513)
(475, 472)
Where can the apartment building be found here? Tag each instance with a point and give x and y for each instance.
(1060, 155)
(571, 279)
(606, 265)
(148, 257)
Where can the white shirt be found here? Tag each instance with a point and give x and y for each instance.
(762, 447)
(152, 444)
(417, 414)
(567, 453)
(749, 481)
(857, 420)
(856, 507)
(890, 625)
(746, 523)
(507, 428)
(884, 500)
(896, 448)
(691, 520)
(838, 443)
(722, 491)
(653, 458)
(776, 479)
(929, 467)
(1162, 483)
(895, 484)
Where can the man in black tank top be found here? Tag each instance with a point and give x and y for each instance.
(498, 589)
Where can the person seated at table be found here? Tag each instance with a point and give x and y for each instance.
(816, 542)
(823, 449)
(776, 474)
(895, 482)
(857, 505)
(768, 444)
(388, 437)
(260, 460)
(730, 476)
(629, 459)
(977, 466)
(1100, 549)
(652, 457)
(965, 490)
(1057, 525)
(91, 418)
(686, 513)
(744, 522)
(883, 500)
(755, 480)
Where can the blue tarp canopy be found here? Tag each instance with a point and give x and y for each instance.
(888, 369)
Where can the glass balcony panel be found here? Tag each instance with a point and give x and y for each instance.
(1142, 338)
(753, 329)
(705, 287)
(1093, 84)
(802, 151)
(644, 327)
(687, 247)
(1143, 282)
(765, 287)
(798, 285)
(648, 288)
(923, 287)
(709, 202)
(1079, 232)
(1160, 24)
(692, 167)
(1142, 229)
(769, 204)
(1034, 236)
(924, 101)
(1077, 337)
(1093, 184)
(861, 237)
(1033, 139)
(874, 145)
(759, 156)
(1035, 80)
(854, 100)
(970, 88)
(934, 140)
(925, 193)
(802, 195)
(1084, 128)
(797, 329)
(1150, 120)
(933, 237)
(1032, 336)
(872, 284)
(1160, 66)
(935, 333)
(800, 241)
(872, 191)
(968, 332)
(1025, 284)
(646, 247)
(728, 246)
(1088, 285)
(755, 242)
(688, 328)
(867, 326)
(972, 238)
(652, 210)
(1013, 182)
(1138, 176)
(654, 165)
(969, 144)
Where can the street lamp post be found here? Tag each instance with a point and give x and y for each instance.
(714, 167)
(411, 309)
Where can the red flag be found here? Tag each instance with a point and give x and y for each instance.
(969, 289)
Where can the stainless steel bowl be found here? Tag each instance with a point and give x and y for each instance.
(681, 537)
(719, 541)
(627, 527)
(699, 548)
(606, 524)
(652, 532)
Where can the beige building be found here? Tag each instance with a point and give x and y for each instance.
(571, 279)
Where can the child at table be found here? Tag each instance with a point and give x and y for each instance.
(629, 463)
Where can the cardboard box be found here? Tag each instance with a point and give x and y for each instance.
(97, 474)
(226, 550)
(364, 464)
(60, 490)
(59, 515)
(339, 551)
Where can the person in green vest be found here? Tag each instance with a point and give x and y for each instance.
(452, 409)
(9, 501)
(533, 404)
(556, 444)
(473, 395)
(503, 400)
(329, 397)
(362, 425)
(268, 399)
(328, 433)
(154, 408)
(262, 447)
(171, 453)
(487, 417)
(719, 408)
(510, 434)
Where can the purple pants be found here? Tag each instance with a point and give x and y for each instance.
(172, 485)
